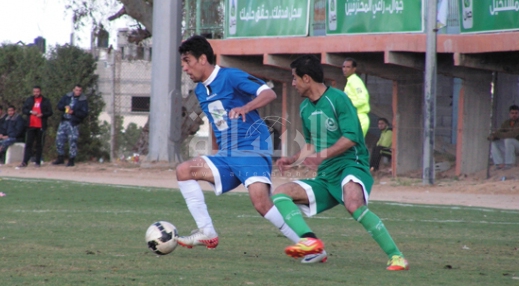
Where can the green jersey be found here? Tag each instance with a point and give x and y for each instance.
(326, 121)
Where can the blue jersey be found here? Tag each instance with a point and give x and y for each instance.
(224, 90)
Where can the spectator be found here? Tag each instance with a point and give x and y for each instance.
(38, 109)
(357, 92)
(2, 120)
(3, 115)
(383, 147)
(505, 141)
(13, 127)
(75, 108)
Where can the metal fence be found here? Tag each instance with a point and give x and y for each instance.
(125, 84)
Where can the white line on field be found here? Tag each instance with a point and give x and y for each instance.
(147, 189)
(407, 220)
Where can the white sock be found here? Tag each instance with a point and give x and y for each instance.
(195, 201)
(275, 217)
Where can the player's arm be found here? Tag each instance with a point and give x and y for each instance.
(336, 149)
(286, 163)
(214, 144)
(266, 96)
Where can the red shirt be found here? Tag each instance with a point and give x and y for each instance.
(34, 121)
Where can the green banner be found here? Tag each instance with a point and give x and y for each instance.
(372, 16)
(266, 18)
(488, 15)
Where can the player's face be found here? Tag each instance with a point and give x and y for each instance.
(193, 67)
(348, 69)
(10, 111)
(299, 84)
(36, 92)
(514, 114)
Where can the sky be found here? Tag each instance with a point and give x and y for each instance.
(24, 20)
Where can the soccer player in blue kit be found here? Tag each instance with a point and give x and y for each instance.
(230, 98)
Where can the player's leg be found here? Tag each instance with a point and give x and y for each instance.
(254, 173)
(259, 193)
(187, 175)
(355, 191)
(285, 199)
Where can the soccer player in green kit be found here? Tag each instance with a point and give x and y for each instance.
(335, 147)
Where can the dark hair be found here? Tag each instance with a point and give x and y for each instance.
(37, 86)
(11, 106)
(78, 85)
(514, 107)
(352, 60)
(385, 120)
(1, 107)
(309, 65)
(197, 46)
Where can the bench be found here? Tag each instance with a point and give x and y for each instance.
(14, 153)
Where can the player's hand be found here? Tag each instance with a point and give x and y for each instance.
(284, 164)
(313, 162)
(239, 111)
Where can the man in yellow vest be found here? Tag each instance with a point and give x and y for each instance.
(357, 92)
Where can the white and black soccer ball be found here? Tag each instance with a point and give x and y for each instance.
(161, 237)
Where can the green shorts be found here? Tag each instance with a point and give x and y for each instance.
(325, 192)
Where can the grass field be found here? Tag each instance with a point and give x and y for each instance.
(66, 233)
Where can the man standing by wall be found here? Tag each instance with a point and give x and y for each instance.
(75, 108)
(38, 109)
(505, 141)
(357, 92)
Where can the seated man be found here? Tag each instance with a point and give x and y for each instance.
(505, 141)
(383, 147)
(13, 127)
(3, 115)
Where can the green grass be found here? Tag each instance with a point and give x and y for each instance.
(66, 233)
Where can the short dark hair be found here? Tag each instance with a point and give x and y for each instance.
(78, 85)
(197, 46)
(1, 107)
(513, 107)
(352, 60)
(11, 106)
(37, 86)
(309, 65)
(385, 120)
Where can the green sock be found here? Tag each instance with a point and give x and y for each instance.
(372, 223)
(291, 214)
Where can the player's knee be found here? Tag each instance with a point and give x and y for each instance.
(183, 172)
(283, 189)
(262, 206)
(352, 206)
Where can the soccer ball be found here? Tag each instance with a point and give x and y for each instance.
(161, 237)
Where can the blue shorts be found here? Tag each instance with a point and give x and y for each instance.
(230, 172)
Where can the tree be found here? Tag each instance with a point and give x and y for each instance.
(21, 67)
(142, 12)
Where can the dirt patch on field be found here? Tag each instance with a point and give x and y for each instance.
(500, 190)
